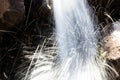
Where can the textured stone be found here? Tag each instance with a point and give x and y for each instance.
(113, 42)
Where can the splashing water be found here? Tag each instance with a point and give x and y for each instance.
(76, 42)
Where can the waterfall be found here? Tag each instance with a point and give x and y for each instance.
(77, 42)
(77, 57)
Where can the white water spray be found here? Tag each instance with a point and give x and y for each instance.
(77, 44)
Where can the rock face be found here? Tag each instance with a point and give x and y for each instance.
(112, 7)
(113, 42)
(4, 5)
(11, 13)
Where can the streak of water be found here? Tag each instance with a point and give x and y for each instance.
(76, 42)
(77, 46)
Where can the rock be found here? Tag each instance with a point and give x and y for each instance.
(113, 42)
(4, 5)
(11, 13)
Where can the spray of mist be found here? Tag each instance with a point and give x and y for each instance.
(77, 57)
(76, 42)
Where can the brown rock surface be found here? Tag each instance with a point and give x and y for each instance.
(113, 42)
(4, 5)
(11, 13)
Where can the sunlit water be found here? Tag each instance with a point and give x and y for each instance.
(76, 42)
(77, 45)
